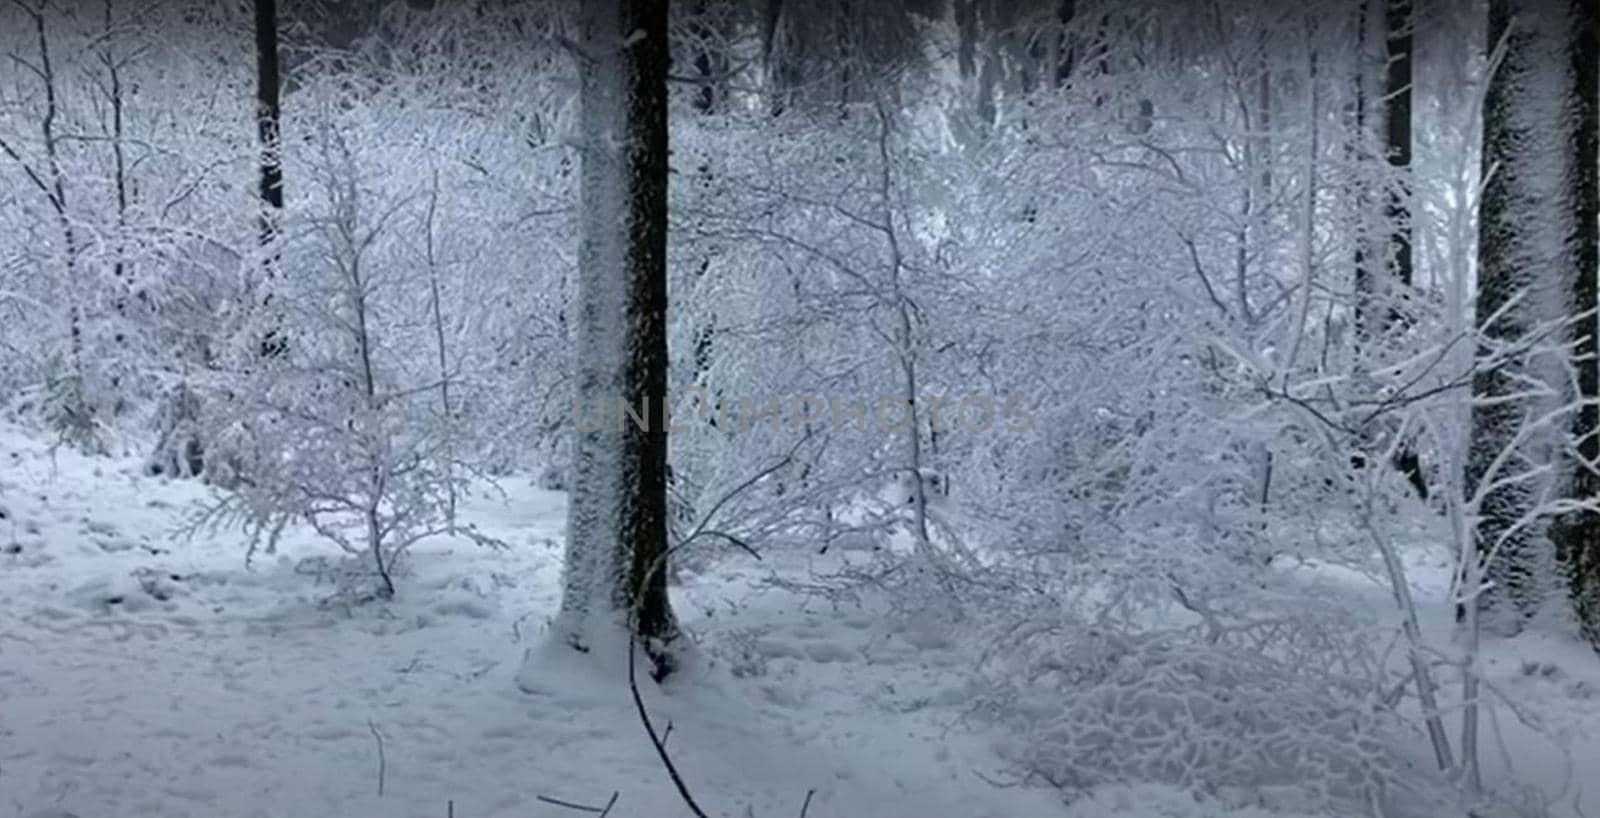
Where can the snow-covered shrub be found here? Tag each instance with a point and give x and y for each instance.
(345, 430)
(1188, 371)
(347, 579)
(1257, 710)
(1158, 447)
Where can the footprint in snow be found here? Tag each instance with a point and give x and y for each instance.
(505, 731)
(468, 608)
(101, 527)
(330, 733)
(113, 546)
(825, 652)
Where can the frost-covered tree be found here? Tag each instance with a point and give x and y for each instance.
(1384, 270)
(1578, 535)
(268, 117)
(1525, 225)
(1385, 305)
(69, 403)
(1399, 22)
(1140, 229)
(617, 528)
(344, 431)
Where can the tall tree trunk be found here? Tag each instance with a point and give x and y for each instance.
(906, 346)
(1368, 102)
(268, 116)
(1397, 133)
(1384, 295)
(1520, 256)
(1401, 256)
(120, 273)
(1066, 55)
(72, 412)
(617, 521)
(1578, 536)
(966, 17)
(711, 61)
(1383, 265)
(779, 59)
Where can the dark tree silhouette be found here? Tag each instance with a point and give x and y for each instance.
(1577, 537)
(268, 114)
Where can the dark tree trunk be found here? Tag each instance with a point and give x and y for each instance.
(1515, 262)
(1386, 297)
(268, 115)
(711, 63)
(617, 528)
(1398, 27)
(268, 112)
(1578, 536)
(646, 526)
(120, 272)
(1397, 101)
(779, 59)
(646, 79)
(1364, 105)
(1066, 58)
(966, 12)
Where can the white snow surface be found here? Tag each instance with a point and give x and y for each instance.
(142, 674)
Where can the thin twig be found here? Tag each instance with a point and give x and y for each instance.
(659, 741)
(751, 481)
(383, 765)
(656, 740)
(601, 811)
(649, 727)
(806, 807)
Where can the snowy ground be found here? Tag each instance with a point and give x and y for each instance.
(144, 675)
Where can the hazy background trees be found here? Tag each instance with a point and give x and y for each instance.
(1228, 261)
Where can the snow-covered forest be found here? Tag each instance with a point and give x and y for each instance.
(766, 408)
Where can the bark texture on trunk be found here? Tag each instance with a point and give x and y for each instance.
(1578, 535)
(268, 116)
(617, 520)
(1522, 270)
